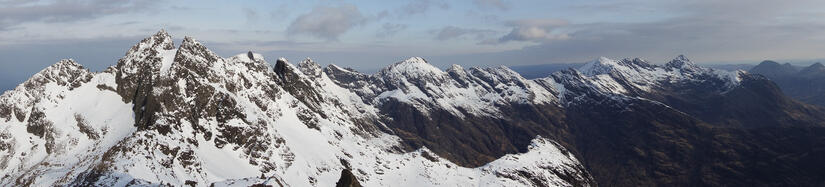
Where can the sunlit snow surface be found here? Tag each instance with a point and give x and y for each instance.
(102, 111)
(478, 92)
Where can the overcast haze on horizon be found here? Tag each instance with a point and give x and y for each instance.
(368, 35)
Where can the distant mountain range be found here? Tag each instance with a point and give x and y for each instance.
(544, 70)
(167, 115)
(806, 84)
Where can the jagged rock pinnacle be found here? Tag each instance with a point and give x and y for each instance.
(281, 67)
(310, 68)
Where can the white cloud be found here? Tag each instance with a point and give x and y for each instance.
(534, 30)
(327, 22)
(14, 12)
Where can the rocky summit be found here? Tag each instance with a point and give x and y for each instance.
(184, 116)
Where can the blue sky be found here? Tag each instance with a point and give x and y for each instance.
(370, 34)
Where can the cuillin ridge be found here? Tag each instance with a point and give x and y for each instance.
(186, 116)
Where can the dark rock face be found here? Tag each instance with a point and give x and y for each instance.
(757, 102)
(806, 84)
(5, 112)
(300, 87)
(281, 69)
(37, 125)
(138, 73)
(161, 104)
(472, 141)
(702, 136)
(141, 65)
(347, 179)
(773, 69)
(653, 145)
(647, 145)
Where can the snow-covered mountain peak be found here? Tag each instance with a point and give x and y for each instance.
(194, 47)
(249, 57)
(604, 65)
(457, 72)
(191, 48)
(682, 58)
(415, 68)
(188, 40)
(309, 63)
(504, 70)
(310, 68)
(349, 78)
(683, 63)
(455, 67)
(62, 65)
(415, 60)
(637, 63)
(497, 75)
(294, 76)
(636, 76)
(413, 63)
(335, 69)
(161, 39)
(250, 61)
(65, 72)
(601, 65)
(63, 68)
(603, 60)
(338, 73)
(147, 55)
(162, 34)
(193, 55)
(158, 42)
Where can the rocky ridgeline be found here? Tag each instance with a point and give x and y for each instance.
(185, 116)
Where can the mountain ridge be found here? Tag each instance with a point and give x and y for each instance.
(805, 84)
(183, 119)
